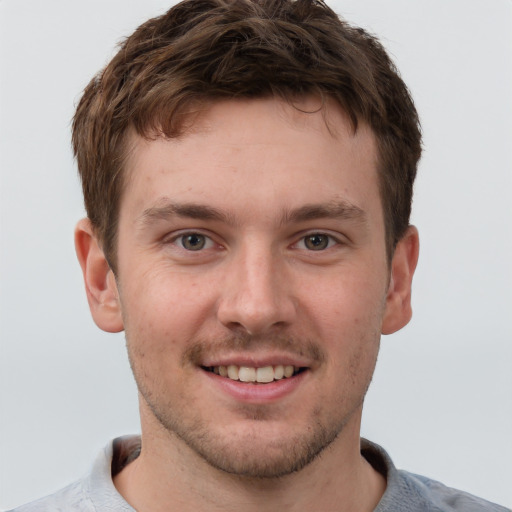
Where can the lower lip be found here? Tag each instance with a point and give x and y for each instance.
(257, 393)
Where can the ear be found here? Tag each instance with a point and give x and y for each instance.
(100, 283)
(398, 309)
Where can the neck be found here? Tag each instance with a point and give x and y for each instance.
(169, 476)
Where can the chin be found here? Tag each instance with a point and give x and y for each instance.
(256, 450)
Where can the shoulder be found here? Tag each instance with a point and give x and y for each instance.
(408, 492)
(443, 498)
(94, 492)
(71, 498)
(436, 496)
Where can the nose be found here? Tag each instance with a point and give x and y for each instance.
(257, 293)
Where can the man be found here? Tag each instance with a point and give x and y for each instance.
(247, 171)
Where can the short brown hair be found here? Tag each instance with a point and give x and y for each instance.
(203, 50)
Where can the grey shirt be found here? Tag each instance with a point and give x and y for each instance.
(405, 492)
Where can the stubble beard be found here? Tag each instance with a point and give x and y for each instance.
(248, 455)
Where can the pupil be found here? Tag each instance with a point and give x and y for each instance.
(193, 242)
(317, 242)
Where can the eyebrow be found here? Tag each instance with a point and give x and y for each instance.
(334, 210)
(185, 210)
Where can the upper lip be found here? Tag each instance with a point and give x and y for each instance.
(255, 360)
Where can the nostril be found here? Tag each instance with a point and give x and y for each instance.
(253, 328)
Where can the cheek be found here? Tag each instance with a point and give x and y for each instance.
(351, 302)
(161, 306)
(349, 320)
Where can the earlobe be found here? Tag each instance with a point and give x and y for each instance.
(100, 283)
(398, 309)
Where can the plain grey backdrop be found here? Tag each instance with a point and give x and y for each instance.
(440, 402)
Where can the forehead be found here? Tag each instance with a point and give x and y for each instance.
(265, 150)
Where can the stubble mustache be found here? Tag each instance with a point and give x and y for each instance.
(199, 349)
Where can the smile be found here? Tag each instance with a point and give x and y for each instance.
(261, 375)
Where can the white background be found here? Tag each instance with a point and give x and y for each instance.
(441, 399)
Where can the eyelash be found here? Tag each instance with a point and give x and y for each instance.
(331, 241)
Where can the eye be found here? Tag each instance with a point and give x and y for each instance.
(194, 241)
(317, 242)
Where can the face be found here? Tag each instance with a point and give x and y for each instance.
(253, 282)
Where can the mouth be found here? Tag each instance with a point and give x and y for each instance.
(256, 375)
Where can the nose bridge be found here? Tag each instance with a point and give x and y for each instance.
(256, 294)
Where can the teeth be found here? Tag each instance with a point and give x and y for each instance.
(279, 372)
(262, 375)
(232, 372)
(247, 374)
(265, 374)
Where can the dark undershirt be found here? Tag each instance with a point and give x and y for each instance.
(125, 450)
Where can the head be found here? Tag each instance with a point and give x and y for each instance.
(205, 114)
(205, 51)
